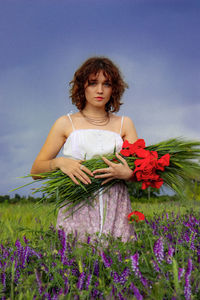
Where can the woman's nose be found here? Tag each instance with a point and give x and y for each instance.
(99, 88)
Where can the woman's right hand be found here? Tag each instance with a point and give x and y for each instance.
(74, 169)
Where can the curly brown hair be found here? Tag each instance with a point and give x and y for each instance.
(92, 66)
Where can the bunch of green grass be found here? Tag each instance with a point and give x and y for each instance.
(184, 167)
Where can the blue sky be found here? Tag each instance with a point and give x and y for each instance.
(155, 43)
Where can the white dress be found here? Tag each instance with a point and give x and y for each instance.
(84, 144)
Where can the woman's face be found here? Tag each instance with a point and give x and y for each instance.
(98, 90)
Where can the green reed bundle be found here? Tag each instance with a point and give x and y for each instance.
(184, 167)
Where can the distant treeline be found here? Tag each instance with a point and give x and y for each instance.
(136, 196)
(17, 198)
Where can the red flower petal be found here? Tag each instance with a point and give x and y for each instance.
(139, 216)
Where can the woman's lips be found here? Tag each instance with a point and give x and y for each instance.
(99, 98)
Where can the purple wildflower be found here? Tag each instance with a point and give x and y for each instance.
(96, 268)
(25, 256)
(62, 238)
(135, 267)
(198, 256)
(155, 265)
(47, 296)
(88, 239)
(18, 245)
(88, 281)
(3, 279)
(120, 296)
(181, 271)
(107, 261)
(25, 240)
(121, 279)
(135, 263)
(170, 255)
(187, 288)
(136, 292)
(159, 249)
(40, 289)
(81, 281)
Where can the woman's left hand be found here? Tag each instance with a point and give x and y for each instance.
(115, 170)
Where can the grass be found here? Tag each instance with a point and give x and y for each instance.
(24, 218)
(46, 265)
(27, 218)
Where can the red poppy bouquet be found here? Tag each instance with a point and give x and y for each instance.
(146, 163)
(173, 163)
(136, 216)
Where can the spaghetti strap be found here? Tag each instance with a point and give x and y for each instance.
(122, 120)
(71, 121)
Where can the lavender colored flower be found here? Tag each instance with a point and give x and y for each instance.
(136, 292)
(159, 250)
(25, 256)
(107, 261)
(155, 265)
(170, 255)
(62, 238)
(135, 267)
(135, 264)
(18, 245)
(187, 288)
(124, 276)
(198, 256)
(47, 296)
(81, 281)
(96, 268)
(40, 289)
(88, 281)
(120, 296)
(25, 240)
(88, 239)
(181, 271)
(3, 279)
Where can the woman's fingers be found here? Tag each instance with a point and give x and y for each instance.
(107, 180)
(121, 158)
(103, 175)
(82, 176)
(108, 162)
(104, 170)
(86, 170)
(74, 179)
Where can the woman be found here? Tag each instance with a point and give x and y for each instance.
(96, 90)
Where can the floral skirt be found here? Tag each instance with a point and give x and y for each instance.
(107, 215)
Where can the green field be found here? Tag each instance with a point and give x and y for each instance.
(21, 218)
(161, 263)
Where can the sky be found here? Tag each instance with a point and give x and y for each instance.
(155, 43)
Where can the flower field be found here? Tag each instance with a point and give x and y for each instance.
(162, 260)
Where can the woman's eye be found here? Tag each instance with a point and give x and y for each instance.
(107, 84)
(91, 83)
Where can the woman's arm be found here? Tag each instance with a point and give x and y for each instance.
(128, 131)
(47, 160)
(119, 170)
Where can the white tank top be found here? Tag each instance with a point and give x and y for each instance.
(84, 144)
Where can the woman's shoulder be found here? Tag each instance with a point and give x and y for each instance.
(126, 120)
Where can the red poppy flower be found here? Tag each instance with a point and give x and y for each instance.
(129, 149)
(136, 215)
(147, 163)
(163, 162)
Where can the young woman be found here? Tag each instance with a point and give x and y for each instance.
(96, 90)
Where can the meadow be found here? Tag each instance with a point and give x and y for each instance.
(160, 262)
